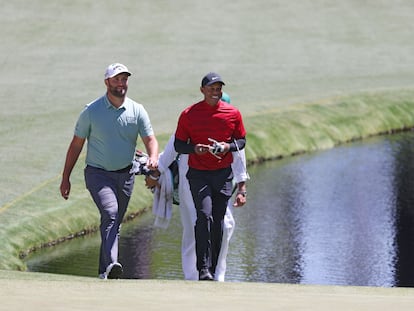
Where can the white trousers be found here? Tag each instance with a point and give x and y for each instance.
(189, 215)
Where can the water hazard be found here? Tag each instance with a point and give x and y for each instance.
(344, 216)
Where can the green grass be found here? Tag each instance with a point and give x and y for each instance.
(44, 292)
(279, 59)
(316, 126)
(41, 217)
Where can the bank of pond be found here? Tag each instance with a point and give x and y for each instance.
(41, 218)
(336, 217)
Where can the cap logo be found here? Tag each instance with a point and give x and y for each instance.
(115, 69)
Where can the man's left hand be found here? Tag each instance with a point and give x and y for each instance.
(240, 200)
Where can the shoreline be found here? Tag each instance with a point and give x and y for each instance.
(287, 132)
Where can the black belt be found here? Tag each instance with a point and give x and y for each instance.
(123, 170)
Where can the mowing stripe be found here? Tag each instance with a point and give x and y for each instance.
(9, 204)
(40, 186)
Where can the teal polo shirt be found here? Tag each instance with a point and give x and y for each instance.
(111, 132)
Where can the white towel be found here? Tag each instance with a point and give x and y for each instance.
(163, 202)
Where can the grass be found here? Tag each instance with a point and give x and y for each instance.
(281, 133)
(326, 124)
(42, 291)
(277, 69)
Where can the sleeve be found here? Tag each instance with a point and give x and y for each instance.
(182, 132)
(145, 128)
(83, 125)
(239, 166)
(238, 144)
(240, 131)
(167, 156)
(182, 147)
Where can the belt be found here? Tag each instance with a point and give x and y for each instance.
(123, 170)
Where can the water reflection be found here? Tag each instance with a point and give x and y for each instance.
(324, 219)
(340, 217)
(404, 210)
(344, 202)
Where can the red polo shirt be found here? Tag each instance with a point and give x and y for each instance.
(197, 123)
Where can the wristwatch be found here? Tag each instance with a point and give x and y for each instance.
(154, 177)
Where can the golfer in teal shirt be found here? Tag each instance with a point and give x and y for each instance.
(111, 125)
(112, 132)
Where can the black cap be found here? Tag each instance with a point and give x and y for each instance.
(211, 78)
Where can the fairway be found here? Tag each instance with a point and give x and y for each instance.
(270, 53)
(274, 55)
(44, 292)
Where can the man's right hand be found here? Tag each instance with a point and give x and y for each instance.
(201, 149)
(65, 189)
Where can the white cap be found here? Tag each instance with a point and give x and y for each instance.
(115, 69)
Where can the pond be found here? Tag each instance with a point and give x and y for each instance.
(343, 216)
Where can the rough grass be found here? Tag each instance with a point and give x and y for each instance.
(53, 55)
(277, 69)
(41, 218)
(323, 125)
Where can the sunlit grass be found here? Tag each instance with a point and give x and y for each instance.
(41, 216)
(53, 58)
(318, 126)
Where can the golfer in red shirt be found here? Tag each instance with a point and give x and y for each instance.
(209, 131)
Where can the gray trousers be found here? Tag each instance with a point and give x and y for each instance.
(111, 192)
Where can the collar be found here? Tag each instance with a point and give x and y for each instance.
(109, 104)
(219, 103)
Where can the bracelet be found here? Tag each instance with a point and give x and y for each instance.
(154, 177)
(243, 193)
